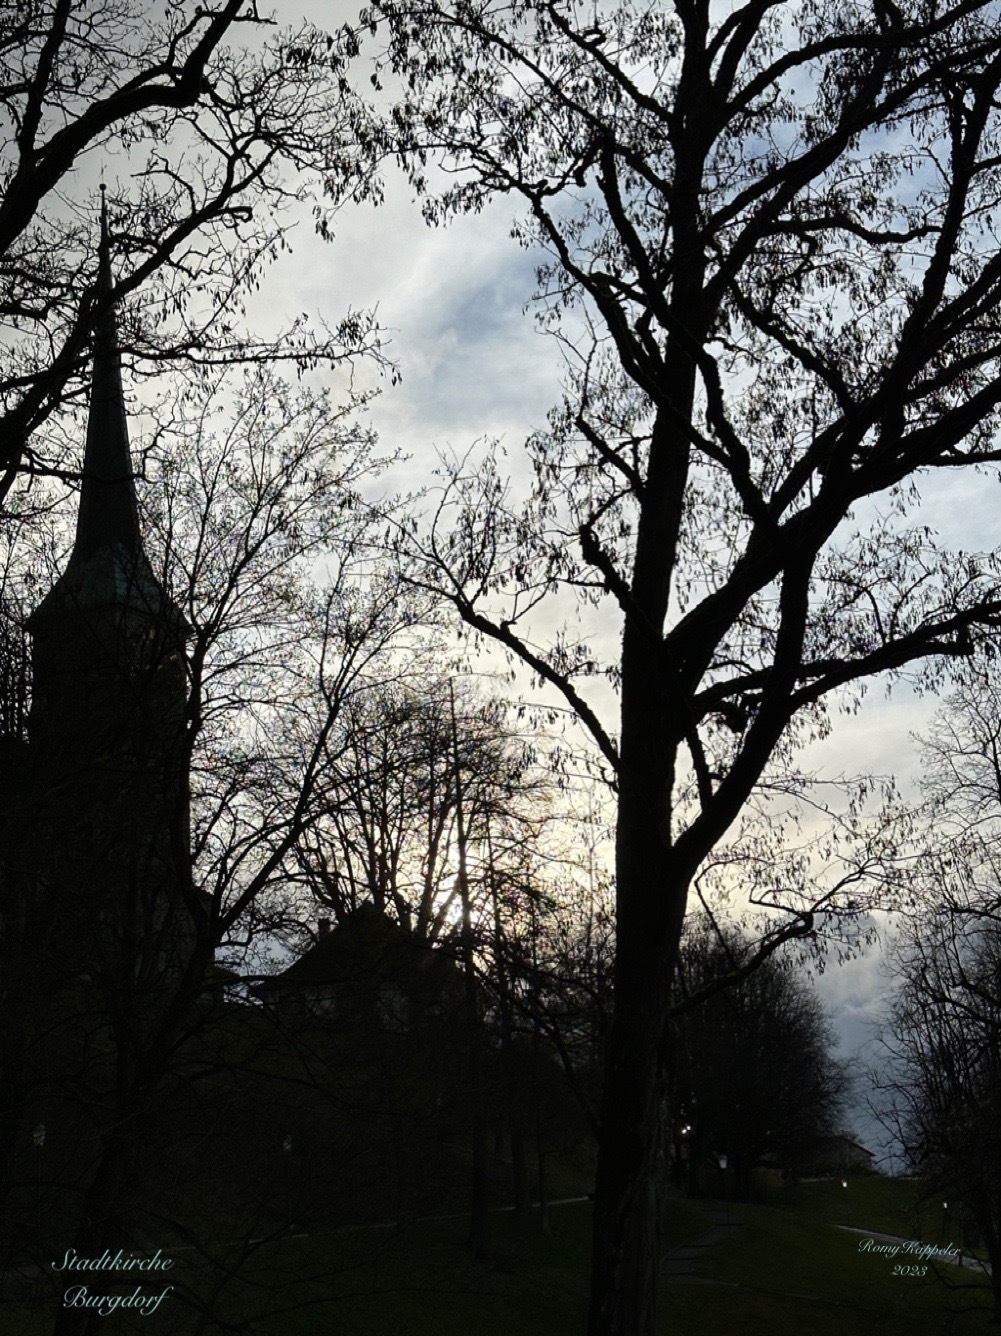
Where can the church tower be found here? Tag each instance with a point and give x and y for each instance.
(106, 728)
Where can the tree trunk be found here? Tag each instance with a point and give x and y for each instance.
(12, 1107)
(625, 1255)
(540, 1148)
(650, 903)
(992, 1242)
(479, 1226)
(519, 1175)
(96, 1233)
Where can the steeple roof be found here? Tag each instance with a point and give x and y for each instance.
(108, 511)
(108, 567)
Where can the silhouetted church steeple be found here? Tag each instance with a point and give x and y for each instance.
(106, 728)
(108, 567)
(108, 510)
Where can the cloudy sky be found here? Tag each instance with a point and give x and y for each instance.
(453, 303)
(473, 365)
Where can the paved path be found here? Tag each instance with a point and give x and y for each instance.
(678, 1265)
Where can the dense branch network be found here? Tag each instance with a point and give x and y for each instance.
(771, 258)
(784, 344)
(218, 139)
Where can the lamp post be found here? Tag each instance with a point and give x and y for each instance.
(682, 1156)
(726, 1190)
(287, 1148)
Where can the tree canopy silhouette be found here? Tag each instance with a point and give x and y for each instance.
(206, 144)
(771, 261)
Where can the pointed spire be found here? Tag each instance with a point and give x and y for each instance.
(108, 511)
(108, 568)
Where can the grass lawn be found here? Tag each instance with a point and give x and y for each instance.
(790, 1268)
(885, 1205)
(369, 1282)
(424, 1284)
(787, 1269)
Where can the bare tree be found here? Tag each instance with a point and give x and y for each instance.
(266, 539)
(752, 1065)
(774, 331)
(939, 1081)
(267, 560)
(425, 796)
(386, 825)
(939, 1087)
(222, 122)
